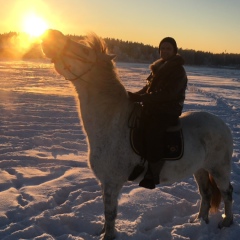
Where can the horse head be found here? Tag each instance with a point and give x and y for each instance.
(73, 59)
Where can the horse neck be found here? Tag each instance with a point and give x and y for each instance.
(104, 106)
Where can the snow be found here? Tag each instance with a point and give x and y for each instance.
(47, 190)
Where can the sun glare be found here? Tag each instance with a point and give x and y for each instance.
(34, 25)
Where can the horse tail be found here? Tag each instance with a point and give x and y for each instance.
(216, 195)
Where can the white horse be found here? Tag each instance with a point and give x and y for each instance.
(104, 112)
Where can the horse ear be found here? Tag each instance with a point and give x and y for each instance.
(106, 57)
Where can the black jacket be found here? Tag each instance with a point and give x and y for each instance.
(165, 89)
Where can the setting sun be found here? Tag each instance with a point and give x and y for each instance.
(34, 25)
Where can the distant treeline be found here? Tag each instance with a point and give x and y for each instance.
(18, 46)
(15, 46)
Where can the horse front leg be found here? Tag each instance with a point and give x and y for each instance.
(110, 201)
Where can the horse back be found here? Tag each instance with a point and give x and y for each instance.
(207, 129)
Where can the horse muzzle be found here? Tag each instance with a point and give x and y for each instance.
(53, 43)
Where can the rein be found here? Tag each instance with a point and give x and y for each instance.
(80, 77)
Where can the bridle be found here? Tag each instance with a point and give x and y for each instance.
(76, 77)
(75, 56)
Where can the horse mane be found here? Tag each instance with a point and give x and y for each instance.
(110, 82)
(95, 42)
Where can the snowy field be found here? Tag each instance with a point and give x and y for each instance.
(47, 190)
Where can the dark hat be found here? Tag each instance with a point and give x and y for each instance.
(169, 40)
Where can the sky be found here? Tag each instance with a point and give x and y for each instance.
(206, 25)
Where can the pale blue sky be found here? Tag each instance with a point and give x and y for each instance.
(207, 25)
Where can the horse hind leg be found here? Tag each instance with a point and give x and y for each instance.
(205, 190)
(227, 198)
(214, 187)
(226, 190)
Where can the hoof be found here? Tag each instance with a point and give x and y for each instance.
(226, 222)
(107, 236)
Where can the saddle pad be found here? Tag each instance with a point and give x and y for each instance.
(173, 147)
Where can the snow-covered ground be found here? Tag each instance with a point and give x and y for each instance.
(47, 190)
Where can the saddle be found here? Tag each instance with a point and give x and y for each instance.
(173, 144)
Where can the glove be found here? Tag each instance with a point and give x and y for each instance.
(134, 97)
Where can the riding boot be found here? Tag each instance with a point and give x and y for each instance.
(156, 168)
(152, 175)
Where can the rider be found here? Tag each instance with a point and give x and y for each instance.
(162, 99)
